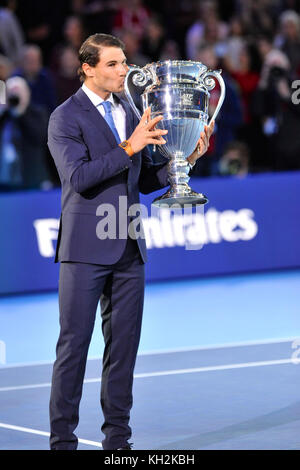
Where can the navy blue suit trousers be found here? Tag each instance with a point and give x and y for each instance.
(120, 288)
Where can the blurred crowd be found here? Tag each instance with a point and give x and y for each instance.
(255, 43)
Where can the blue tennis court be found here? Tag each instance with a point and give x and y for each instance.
(218, 367)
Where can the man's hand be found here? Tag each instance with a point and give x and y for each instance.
(202, 144)
(145, 133)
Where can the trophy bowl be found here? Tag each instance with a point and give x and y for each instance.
(178, 91)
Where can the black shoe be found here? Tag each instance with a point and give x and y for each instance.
(127, 447)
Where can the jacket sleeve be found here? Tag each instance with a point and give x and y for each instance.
(71, 155)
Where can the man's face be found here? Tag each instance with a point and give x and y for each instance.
(109, 74)
(32, 62)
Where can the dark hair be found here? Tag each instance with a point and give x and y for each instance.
(89, 51)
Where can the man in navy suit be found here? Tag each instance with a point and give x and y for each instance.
(100, 151)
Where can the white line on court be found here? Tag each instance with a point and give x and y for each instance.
(168, 351)
(44, 433)
(25, 387)
(171, 372)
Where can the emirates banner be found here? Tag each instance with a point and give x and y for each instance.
(250, 224)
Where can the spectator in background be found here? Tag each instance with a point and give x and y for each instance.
(73, 36)
(229, 119)
(38, 78)
(78, 5)
(66, 79)
(6, 68)
(247, 78)
(132, 45)
(74, 32)
(288, 39)
(278, 115)
(289, 5)
(235, 160)
(207, 28)
(11, 34)
(234, 44)
(23, 133)
(97, 15)
(154, 39)
(275, 63)
(264, 43)
(155, 43)
(42, 22)
(170, 51)
(259, 16)
(132, 15)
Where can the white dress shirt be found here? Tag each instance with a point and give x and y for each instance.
(117, 110)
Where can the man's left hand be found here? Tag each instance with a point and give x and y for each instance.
(202, 144)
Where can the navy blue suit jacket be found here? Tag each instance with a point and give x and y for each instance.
(94, 170)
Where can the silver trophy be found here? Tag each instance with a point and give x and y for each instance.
(179, 91)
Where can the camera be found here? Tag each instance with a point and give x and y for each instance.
(13, 101)
(276, 73)
(231, 167)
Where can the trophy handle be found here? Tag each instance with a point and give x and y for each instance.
(210, 84)
(140, 79)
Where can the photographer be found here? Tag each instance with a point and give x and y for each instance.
(235, 160)
(279, 117)
(23, 130)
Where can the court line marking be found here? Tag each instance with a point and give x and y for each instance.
(218, 346)
(44, 433)
(2, 352)
(240, 365)
(168, 351)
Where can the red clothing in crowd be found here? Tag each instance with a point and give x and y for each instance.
(247, 82)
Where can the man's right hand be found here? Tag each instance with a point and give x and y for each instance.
(145, 133)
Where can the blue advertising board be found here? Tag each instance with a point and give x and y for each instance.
(250, 224)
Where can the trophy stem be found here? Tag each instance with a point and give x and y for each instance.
(180, 192)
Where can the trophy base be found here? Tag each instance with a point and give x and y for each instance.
(171, 198)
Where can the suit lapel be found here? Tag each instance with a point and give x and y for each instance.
(95, 116)
(98, 120)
